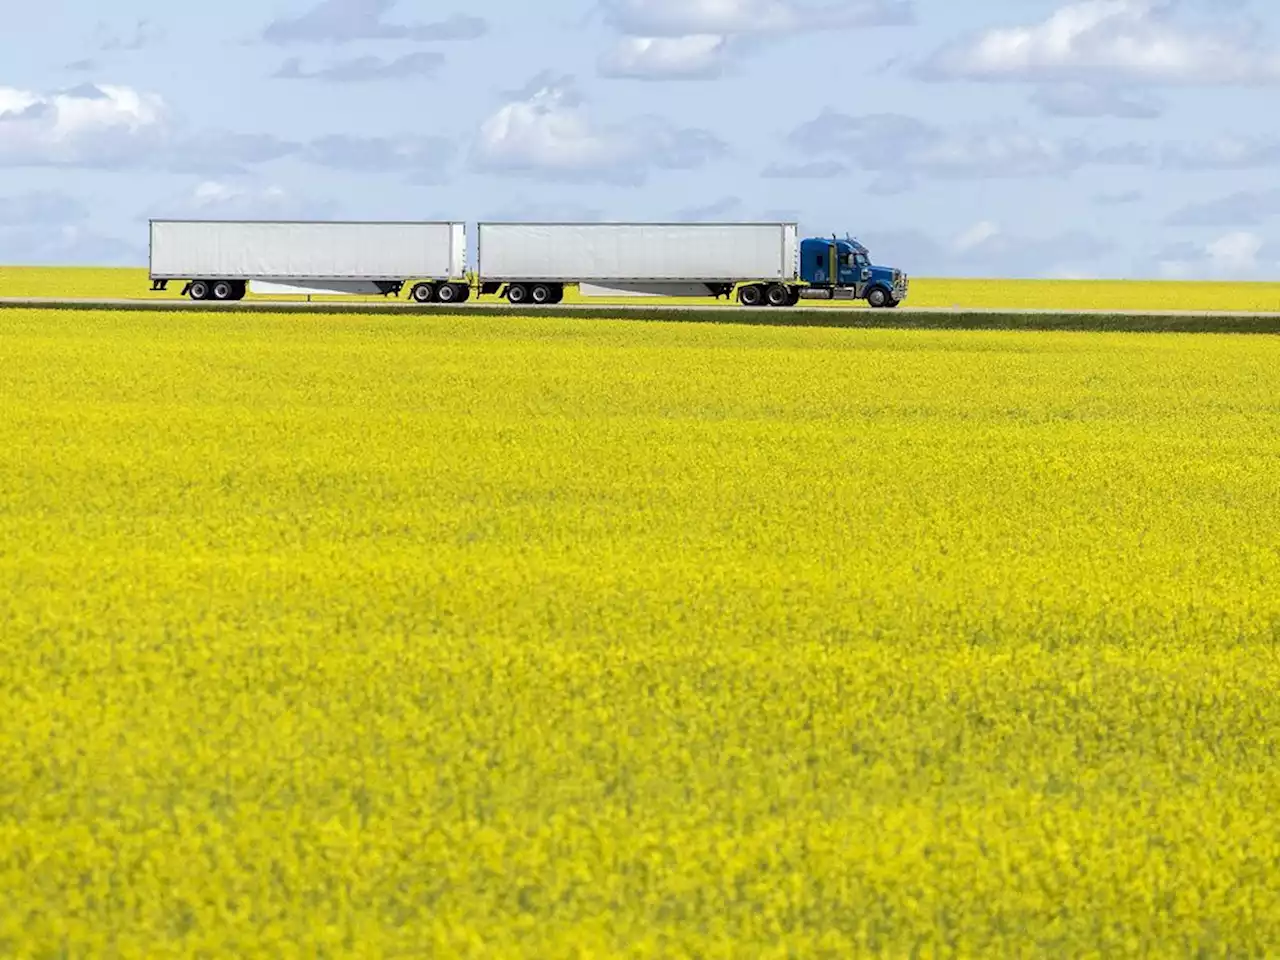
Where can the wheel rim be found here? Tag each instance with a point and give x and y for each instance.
(199, 291)
(541, 295)
(447, 294)
(779, 296)
(222, 291)
(877, 298)
(516, 294)
(422, 293)
(751, 296)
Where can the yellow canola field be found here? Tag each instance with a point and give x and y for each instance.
(523, 637)
(1121, 295)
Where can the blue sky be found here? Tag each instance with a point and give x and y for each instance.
(1107, 138)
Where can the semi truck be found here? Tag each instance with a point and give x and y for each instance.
(763, 264)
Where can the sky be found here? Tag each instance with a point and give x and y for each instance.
(994, 138)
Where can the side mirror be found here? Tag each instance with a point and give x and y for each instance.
(866, 274)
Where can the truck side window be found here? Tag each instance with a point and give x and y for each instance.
(822, 261)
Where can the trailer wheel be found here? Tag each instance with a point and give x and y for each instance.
(464, 292)
(449, 292)
(751, 295)
(778, 295)
(878, 297)
(224, 290)
(517, 293)
(542, 294)
(241, 290)
(199, 290)
(557, 293)
(423, 293)
(793, 297)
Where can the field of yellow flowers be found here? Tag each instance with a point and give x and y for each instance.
(489, 637)
(1123, 295)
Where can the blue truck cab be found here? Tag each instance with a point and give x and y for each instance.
(836, 269)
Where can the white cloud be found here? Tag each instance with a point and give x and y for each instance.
(422, 63)
(676, 18)
(41, 207)
(66, 245)
(698, 56)
(1117, 39)
(89, 125)
(1082, 99)
(815, 170)
(542, 210)
(1239, 255)
(242, 200)
(694, 39)
(1224, 153)
(346, 21)
(975, 236)
(722, 209)
(901, 147)
(1243, 208)
(1235, 253)
(987, 250)
(144, 34)
(544, 131)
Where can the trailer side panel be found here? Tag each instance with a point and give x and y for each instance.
(246, 250)
(637, 251)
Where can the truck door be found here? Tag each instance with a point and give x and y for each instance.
(854, 274)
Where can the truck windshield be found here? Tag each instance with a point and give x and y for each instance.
(862, 260)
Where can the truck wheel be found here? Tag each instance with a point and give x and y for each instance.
(751, 295)
(542, 294)
(878, 297)
(199, 290)
(517, 293)
(423, 293)
(448, 292)
(224, 290)
(778, 295)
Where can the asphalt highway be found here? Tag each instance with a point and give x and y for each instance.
(604, 310)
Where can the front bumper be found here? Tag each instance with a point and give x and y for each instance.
(901, 288)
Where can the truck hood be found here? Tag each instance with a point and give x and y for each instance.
(884, 274)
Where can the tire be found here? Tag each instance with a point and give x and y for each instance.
(541, 294)
(778, 295)
(423, 293)
(242, 290)
(751, 295)
(449, 293)
(878, 297)
(223, 290)
(517, 294)
(557, 294)
(199, 290)
(795, 297)
(464, 292)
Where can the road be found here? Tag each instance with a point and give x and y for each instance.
(395, 306)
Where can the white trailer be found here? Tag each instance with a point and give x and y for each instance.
(532, 262)
(222, 259)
